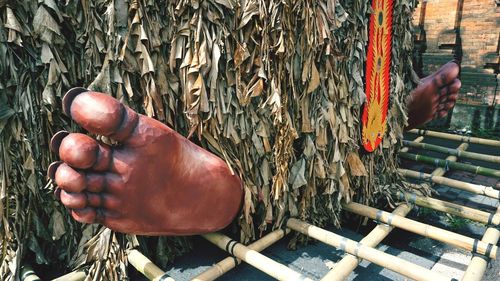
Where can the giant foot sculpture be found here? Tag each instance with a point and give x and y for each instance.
(434, 96)
(155, 182)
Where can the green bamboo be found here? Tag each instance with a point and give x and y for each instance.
(450, 164)
(418, 139)
(466, 139)
(452, 151)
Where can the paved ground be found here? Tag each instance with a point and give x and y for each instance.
(315, 260)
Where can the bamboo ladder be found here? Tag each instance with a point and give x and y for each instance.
(365, 249)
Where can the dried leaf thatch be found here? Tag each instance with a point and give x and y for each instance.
(273, 87)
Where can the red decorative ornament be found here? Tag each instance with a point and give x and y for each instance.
(374, 118)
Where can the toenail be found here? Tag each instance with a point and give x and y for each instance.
(51, 171)
(69, 97)
(56, 140)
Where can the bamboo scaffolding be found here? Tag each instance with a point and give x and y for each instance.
(470, 187)
(28, 274)
(253, 258)
(77, 275)
(425, 230)
(454, 152)
(344, 267)
(441, 171)
(229, 263)
(478, 264)
(466, 139)
(146, 267)
(452, 208)
(451, 164)
(378, 257)
(417, 140)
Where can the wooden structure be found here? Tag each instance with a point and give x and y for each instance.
(366, 248)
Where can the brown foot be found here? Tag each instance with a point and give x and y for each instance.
(156, 182)
(435, 96)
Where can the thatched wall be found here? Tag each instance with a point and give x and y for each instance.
(274, 87)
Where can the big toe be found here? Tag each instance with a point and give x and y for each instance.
(100, 113)
(446, 74)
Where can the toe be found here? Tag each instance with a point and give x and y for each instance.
(453, 97)
(73, 200)
(70, 179)
(446, 74)
(100, 114)
(455, 85)
(96, 182)
(86, 215)
(83, 152)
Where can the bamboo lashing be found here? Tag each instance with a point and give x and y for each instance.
(446, 164)
(417, 140)
(28, 274)
(360, 250)
(146, 267)
(347, 264)
(478, 264)
(254, 258)
(470, 187)
(451, 151)
(439, 171)
(229, 263)
(77, 275)
(452, 208)
(466, 139)
(439, 234)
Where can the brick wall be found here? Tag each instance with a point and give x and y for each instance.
(480, 32)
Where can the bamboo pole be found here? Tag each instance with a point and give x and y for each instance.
(417, 140)
(253, 258)
(466, 139)
(378, 257)
(454, 152)
(146, 267)
(451, 208)
(478, 264)
(28, 274)
(229, 263)
(451, 164)
(425, 230)
(78, 275)
(344, 267)
(470, 187)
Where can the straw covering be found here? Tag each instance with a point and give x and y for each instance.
(273, 87)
